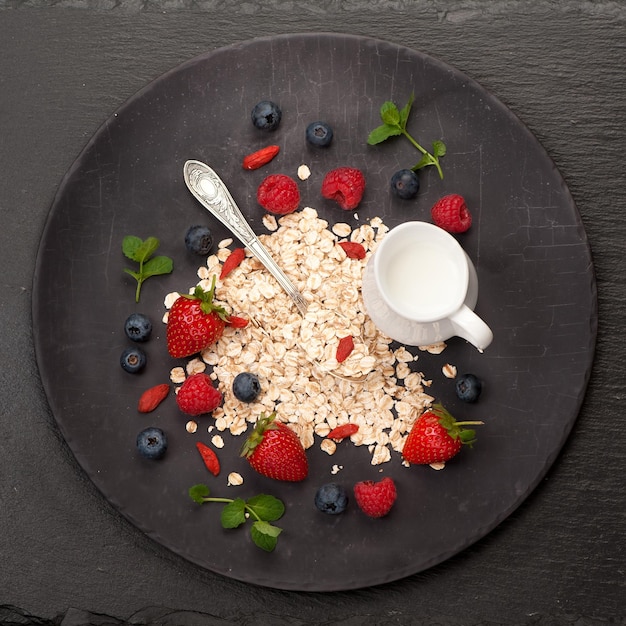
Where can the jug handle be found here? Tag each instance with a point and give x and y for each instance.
(469, 326)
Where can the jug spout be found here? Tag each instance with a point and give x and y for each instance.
(470, 327)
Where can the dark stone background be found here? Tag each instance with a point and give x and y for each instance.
(66, 556)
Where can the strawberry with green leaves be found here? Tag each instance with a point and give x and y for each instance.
(436, 437)
(195, 322)
(275, 451)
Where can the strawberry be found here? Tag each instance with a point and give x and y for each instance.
(345, 185)
(151, 398)
(343, 431)
(353, 249)
(451, 214)
(260, 158)
(344, 348)
(195, 322)
(279, 194)
(375, 499)
(197, 395)
(436, 437)
(209, 457)
(232, 261)
(275, 451)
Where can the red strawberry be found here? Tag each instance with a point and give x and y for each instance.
(345, 185)
(197, 395)
(353, 249)
(194, 323)
(275, 451)
(151, 398)
(237, 322)
(375, 499)
(451, 214)
(344, 349)
(278, 193)
(343, 431)
(232, 261)
(436, 437)
(260, 158)
(209, 457)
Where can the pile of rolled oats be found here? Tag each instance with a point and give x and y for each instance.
(378, 388)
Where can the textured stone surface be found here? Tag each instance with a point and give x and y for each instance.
(66, 554)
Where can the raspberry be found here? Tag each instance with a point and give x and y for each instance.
(345, 185)
(375, 499)
(451, 214)
(278, 193)
(197, 395)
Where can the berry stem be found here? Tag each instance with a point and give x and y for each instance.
(247, 507)
(469, 423)
(433, 160)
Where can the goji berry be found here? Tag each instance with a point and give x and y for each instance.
(343, 431)
(344, 349)
(209, 457)
(237, 322)
(260, 157)
(151, 398)
(232, 261)
(353, 249)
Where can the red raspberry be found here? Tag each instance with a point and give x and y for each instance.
(197, 395)
(451, 214)
(375, 499)
(345, 185)
(278, 193)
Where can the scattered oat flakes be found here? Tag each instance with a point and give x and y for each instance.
(438, 466)
(224, 243)
(191, 426)
(235, 479)
(177, 375)
(336, 469)
(269, 221)
(304, 172)
(449, 371)
(434, 348)
(217, 441)
(328, 446)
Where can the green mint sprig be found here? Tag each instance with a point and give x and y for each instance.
(142, 252)
(394, 124)
(262, 508)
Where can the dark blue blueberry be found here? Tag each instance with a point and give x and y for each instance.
(246, 387)
(133, 360)
(331, 498)
(405, 184)
(468, 388)
(138, 327)
(199, 240)
(266, 115)
(152, 443)
(319, 134)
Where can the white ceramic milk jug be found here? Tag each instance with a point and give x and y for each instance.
(420, 288)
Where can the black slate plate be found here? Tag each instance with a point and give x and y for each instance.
(537, 292)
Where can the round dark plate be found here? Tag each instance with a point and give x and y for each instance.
(537, 292)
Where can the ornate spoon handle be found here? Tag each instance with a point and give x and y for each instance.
(213, 194)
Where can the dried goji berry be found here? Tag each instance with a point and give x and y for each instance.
(343, 431)
(260, 157)
(232, 261)
(209, 457)
(151, 398)
(353, 249)
(344, 349)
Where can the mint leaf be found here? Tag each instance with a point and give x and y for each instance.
(404, 113)
(234, 514)
(381, 133)
(267, 508)
(142, 252)
(389, 114)
(439, 148)
(264, 535)
(198, 493)
(157, 266)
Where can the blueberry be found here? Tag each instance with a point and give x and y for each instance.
(405, 184)
(138, 327)
(319, 134)
(133, 360)
(152, 443)
(331, 498)
(246, 387)
(266, 115)
(199, 240)
(468, 388)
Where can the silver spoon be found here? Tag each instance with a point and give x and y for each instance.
(213, 195)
